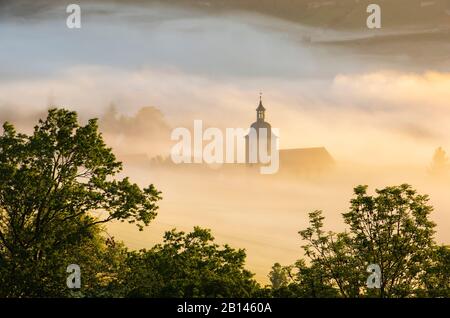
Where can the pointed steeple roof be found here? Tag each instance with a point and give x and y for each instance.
(260, 106)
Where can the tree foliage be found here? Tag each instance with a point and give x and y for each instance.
(56, 186)
(59, 187)
(188, 265)
(391, 229)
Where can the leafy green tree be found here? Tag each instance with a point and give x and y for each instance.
(304, 281)
(391, 229)
(188, 265)
(332, 255)
(436, 278)
(279, 276)
(57, 186)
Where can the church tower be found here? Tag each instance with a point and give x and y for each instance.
(260, 111)
(263, 130)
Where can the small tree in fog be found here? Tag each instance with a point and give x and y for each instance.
(440, 164)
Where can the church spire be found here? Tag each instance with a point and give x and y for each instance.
(260, 111)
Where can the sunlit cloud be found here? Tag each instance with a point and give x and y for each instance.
(397, 116)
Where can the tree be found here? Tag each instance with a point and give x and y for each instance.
(303, 281)
(440, 164)
(279, 276)
(391, 229)
(188, 265)
(436, 278)
(56, 186)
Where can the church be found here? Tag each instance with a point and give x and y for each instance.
(294, 162)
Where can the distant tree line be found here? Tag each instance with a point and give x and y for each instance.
(59, 188)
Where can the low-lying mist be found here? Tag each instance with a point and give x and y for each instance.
(264, 213)
(378, 102)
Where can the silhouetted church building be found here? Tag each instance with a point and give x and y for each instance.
(263, 131)
(298, 161)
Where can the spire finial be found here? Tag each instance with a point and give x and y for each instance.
(260, 96)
